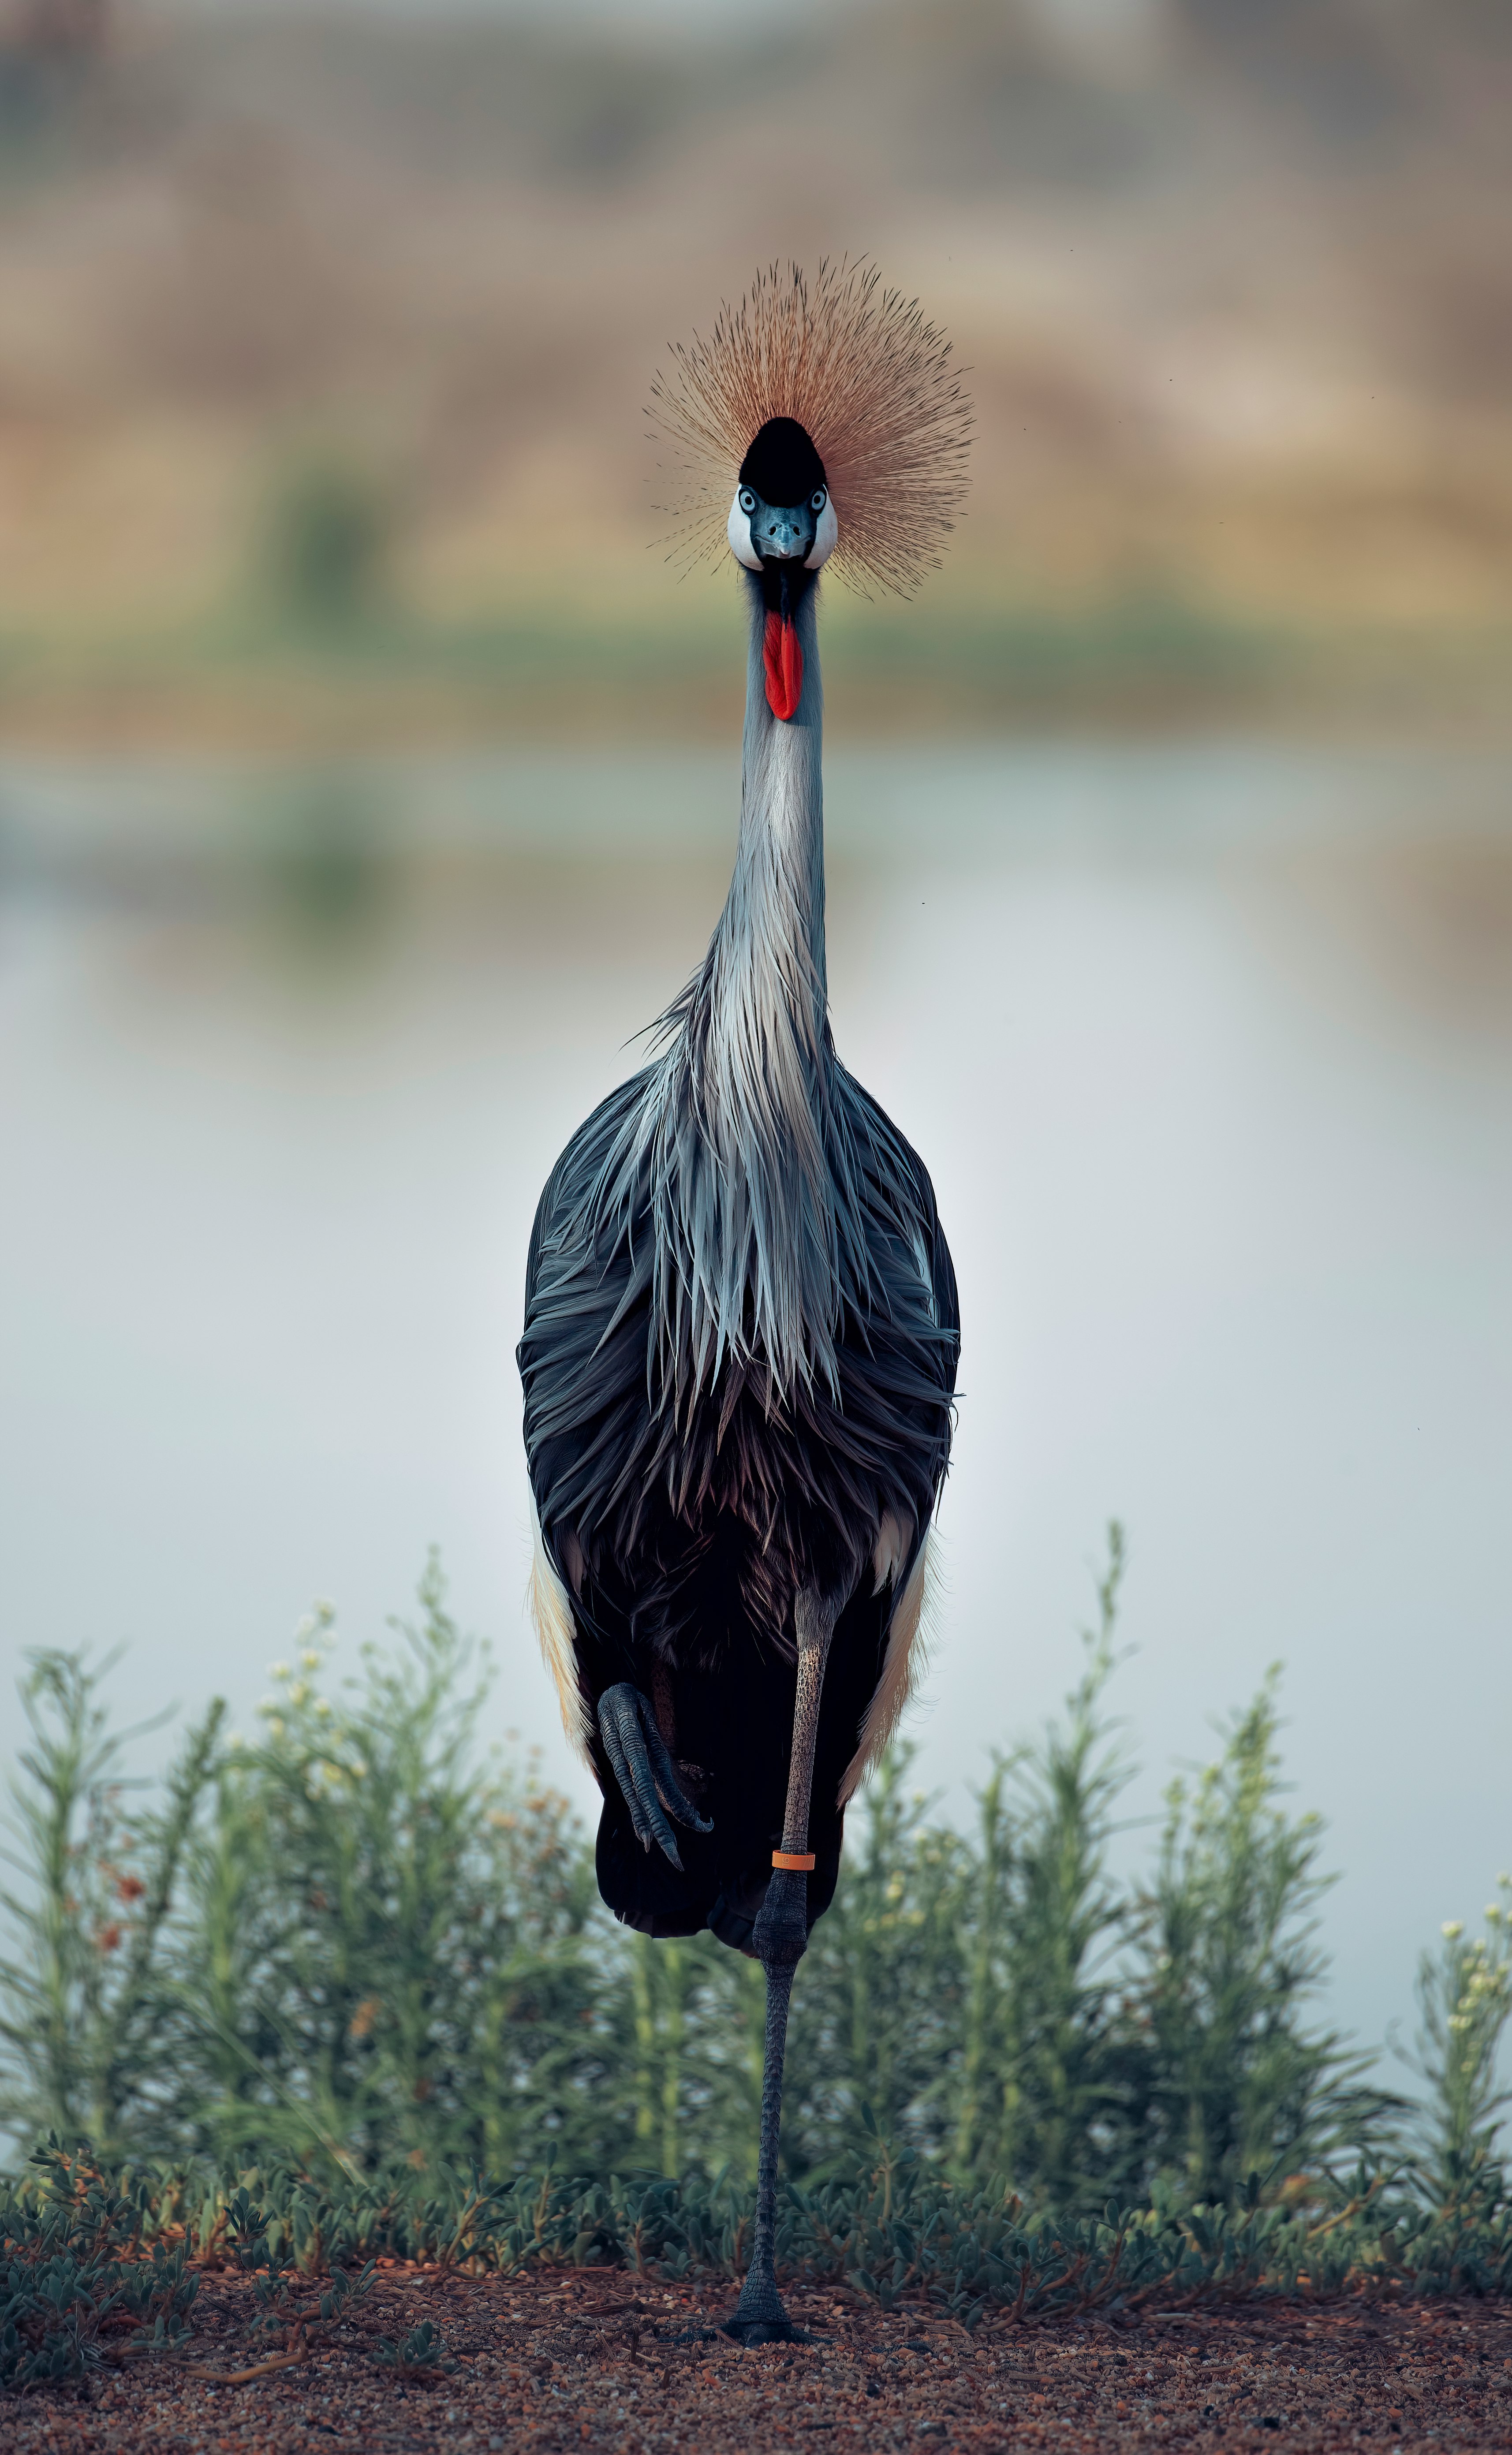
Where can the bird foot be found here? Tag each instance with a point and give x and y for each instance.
(759, 2317)
(752, 2332)
(645, 1771)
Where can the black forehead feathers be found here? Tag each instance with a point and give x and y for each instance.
(782, 465)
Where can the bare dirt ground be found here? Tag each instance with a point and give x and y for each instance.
(626, 2365)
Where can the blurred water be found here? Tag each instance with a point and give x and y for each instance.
(1208, 1047)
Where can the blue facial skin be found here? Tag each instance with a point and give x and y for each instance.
(783, 535)
(780, 533)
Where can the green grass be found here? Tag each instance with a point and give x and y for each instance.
(357, 1973)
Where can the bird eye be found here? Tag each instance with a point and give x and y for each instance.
(748, 500)
(818, 499)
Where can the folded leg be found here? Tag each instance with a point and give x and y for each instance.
(645, 1771)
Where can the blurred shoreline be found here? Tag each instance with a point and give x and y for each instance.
(328, 335)
(1134, 667)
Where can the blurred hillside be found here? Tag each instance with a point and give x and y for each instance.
(325, 341)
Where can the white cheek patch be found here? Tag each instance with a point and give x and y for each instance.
(827, 536)
(738, 531)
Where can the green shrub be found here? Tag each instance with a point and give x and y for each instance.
(1464, 1996)
(402, 1944)
(1047, 2077)
(363, 1953)
(89, 2032)
(1237, 2084)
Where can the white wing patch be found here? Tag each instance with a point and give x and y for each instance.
(895, 1541)
(902, 1668)
(551, 1609)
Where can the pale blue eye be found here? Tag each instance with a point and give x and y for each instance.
(748, 500)
(818, 499)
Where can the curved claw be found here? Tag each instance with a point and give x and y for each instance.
(667, 1783)
(645, 1771)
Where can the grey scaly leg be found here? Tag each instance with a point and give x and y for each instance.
(781, 1940)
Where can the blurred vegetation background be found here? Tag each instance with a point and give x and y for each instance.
(327, 335)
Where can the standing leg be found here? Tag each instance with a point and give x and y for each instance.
(780, 1939)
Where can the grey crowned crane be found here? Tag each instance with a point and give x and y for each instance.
(740, 1326)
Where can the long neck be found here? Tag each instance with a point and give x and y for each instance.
(749, 1242)
(767, 962)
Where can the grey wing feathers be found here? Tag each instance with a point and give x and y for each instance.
(637, 1477)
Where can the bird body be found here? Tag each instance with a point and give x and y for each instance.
(740, 1325)
(738, 1361)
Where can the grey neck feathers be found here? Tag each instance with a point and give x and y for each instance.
(741, 1142)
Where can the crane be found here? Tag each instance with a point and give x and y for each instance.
(741, 1324)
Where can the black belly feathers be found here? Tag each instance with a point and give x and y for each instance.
(682, 1534)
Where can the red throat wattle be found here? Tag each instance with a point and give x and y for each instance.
(784, 661)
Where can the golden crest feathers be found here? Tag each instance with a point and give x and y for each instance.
(869, 378)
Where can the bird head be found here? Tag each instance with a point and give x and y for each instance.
(782, 521)
(781, 526)
(839, 404)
